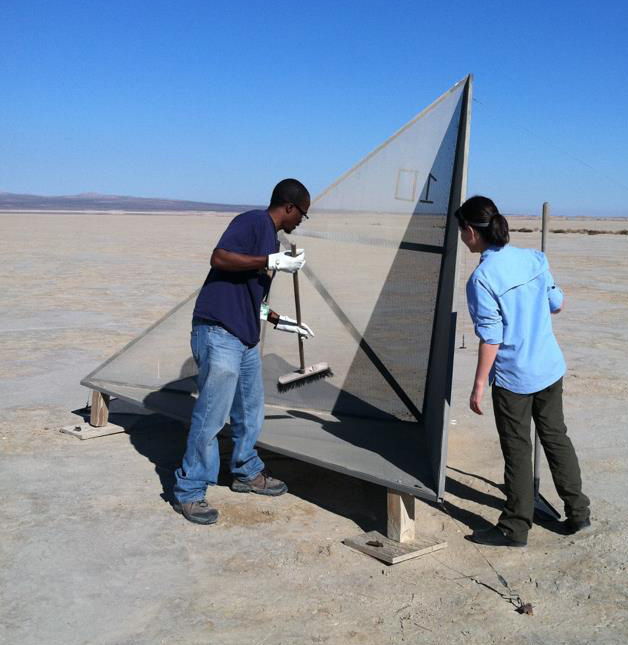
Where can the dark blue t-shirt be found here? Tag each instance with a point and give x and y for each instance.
(233, 298)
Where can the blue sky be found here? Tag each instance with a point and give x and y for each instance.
(216, 101)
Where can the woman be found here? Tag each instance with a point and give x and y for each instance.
(511, 295)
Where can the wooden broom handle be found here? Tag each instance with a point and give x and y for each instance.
(297, 303)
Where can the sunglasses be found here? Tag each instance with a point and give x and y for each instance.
(303, 213)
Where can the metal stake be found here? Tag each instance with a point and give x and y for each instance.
(543, 510)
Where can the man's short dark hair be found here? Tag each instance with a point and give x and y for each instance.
(289, 191)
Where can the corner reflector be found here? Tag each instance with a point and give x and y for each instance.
(378, 291)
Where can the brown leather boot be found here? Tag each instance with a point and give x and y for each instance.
(199, 512)
(262, 484)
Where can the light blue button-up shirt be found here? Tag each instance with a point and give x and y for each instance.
(510, 296)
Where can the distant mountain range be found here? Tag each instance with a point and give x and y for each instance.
(96, 202)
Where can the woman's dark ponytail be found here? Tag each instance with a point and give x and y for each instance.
(482, 214)
(497, 232)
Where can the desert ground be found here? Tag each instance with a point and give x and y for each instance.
(92, 553)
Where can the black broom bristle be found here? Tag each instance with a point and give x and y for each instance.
(305, 380)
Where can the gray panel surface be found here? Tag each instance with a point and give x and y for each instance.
(381, 451)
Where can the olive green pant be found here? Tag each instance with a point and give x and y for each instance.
(513, 414)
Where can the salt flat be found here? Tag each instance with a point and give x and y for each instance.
(92, 553)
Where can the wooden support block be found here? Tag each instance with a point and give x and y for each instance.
(391, 551)
(100, 409)
(401, 543)
(400, 516)
(88, 431)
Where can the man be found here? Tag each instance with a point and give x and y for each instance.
(224, 340)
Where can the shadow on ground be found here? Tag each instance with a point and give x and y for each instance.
(162, 441)
(474, 521)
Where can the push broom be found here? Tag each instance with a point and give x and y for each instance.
(303, 375)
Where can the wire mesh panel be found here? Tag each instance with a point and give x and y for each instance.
(374, 244)
(380, 252)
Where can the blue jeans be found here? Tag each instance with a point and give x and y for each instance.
(229, 385)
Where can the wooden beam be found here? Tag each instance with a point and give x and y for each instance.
(400, 516)
(100, 409)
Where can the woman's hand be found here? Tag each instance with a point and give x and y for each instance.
(476, 398)
(486, 357)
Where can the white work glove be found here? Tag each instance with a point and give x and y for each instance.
(283, 261)
(288, 324)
